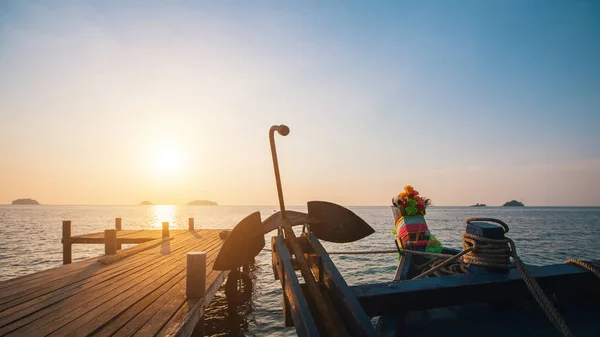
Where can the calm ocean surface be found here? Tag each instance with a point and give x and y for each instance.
(30, 241)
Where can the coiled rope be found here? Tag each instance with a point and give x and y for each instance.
(492, 253)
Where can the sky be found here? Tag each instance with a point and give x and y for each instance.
(115, 102)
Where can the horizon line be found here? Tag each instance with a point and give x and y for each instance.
(277, 206)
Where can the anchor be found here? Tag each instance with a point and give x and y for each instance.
(333, 310)
(328, 221)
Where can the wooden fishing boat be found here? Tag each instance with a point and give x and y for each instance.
(489, 300)
(482, 290)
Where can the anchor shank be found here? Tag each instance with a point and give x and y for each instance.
(277, 128)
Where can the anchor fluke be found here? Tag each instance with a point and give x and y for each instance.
(244, 242)
(336, 223)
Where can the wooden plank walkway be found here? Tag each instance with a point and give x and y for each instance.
(126, 236)
(140, 291)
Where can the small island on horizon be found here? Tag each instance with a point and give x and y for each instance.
(146, 203)
(202, 203)
(478, 205)
(513, 203)
(27, 201)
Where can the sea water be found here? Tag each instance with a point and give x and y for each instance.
(30, 241)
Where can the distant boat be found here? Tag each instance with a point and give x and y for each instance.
(513, 203)
(478, 205)
(25, 202)
(146, 203)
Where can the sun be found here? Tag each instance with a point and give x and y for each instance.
(167, 161)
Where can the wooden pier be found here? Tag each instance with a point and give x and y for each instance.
(157, 288)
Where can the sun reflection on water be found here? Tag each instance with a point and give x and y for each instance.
(163, 213)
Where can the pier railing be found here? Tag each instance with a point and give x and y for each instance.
(113, 239)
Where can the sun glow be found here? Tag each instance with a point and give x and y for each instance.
(163, 213)
(167, 161)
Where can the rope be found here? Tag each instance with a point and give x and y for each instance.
(486, 252)
(416, 252)
(360, 252)
(391, 251)
(364, 252)
(587, 265)
(538, 293)
(443, 264)
(492, 253)
(495, 254)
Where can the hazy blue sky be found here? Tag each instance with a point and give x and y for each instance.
(114, 102)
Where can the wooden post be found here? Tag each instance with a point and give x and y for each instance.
(66, 240)
(195, 285)
(110, 241)
(196, 274)
(486, 230)
(118, 227)
(165, 230)
(191, 224)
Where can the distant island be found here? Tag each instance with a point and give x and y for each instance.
(513, 203)
(25, 202)
(202, 203)
(146, 203)
(478, 205)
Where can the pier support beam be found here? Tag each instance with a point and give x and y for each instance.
(165, 230)
(66, 241)
(118, 227)
(110, 241)
(191, 224)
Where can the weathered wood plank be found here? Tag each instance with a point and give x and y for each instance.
(24, 294)
(24, 283)
(77, 306)
(186, 325)
(131, 319)
(73, 306)
(164, 292)
(131, 251)
(379, 299)
(120, 315)
(303, 321)
(125, 236)
(124, 296)
(148, 266)
(181, 321)
(134, 233)
(346, 303)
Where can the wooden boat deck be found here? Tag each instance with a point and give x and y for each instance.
(486, 304)
(524, 318)
(140, 291)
